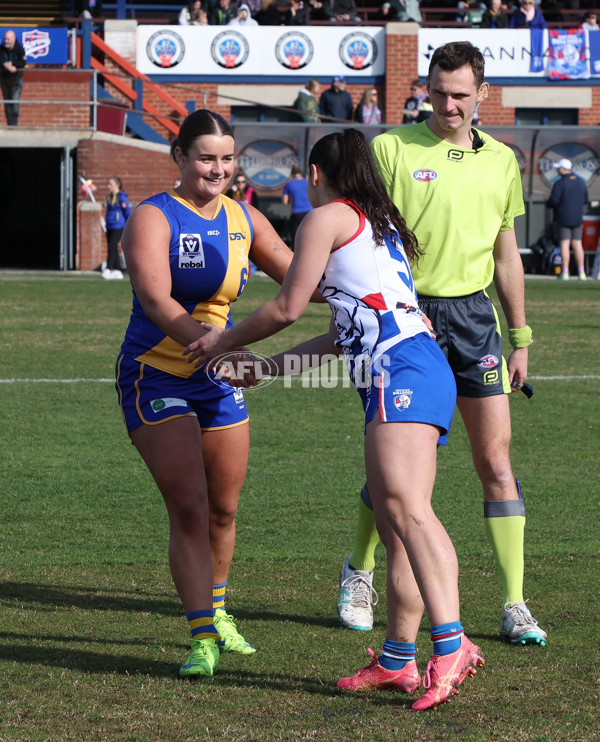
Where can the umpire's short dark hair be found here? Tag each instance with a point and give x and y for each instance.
(457, 54)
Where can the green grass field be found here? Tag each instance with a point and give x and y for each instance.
(92, 632)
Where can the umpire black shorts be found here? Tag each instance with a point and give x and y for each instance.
(468, 332)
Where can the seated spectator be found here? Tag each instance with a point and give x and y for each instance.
(318, 11)
(342, 10)
(222, 14)
(495, 16)
(409, 11)
(190, 15)
(412, 104)
(269, 14)
(298, 14)
(367, 111)
(388, 12)
(243, 17)
(336, 100)
(527, 16)
(475, 10)
(590, 21)
(306, 102)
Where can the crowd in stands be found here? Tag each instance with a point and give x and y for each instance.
(479, 13)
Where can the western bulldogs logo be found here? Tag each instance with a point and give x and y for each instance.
(402, 398)
(294, 50)
(191, 251)
(488, 361)
(229, 49)
(165, 49)
(36, 43)
(358, 51)
(424, 175)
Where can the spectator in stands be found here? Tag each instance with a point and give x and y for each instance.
(367, 111)
(298, 14)
(255, 6)
(243, 17)
(222, 14)
(190, 15)
(590, 21)
(342, 10)
(318, 11)
(388, 11)
(269, 14)
(12, 61)
(306, 102)
(413, 102)
(408, 10)
(470, 5)
(495, 16)
(336, 100)
(527, 16)
(241, 191)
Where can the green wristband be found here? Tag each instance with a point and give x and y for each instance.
(521, 337)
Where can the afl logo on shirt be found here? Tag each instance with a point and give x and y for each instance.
(191, 252)
(424, 175)
(487, 362)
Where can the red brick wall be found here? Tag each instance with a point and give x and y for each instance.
(54, 85)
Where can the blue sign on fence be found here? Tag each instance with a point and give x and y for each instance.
(42, 45)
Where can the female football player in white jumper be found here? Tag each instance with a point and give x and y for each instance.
(355, 247)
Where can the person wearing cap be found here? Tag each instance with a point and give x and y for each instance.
(336, 100)
(568, 198)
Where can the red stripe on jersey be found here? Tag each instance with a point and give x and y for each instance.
(375, 301)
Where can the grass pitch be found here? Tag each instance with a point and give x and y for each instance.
(92, 632)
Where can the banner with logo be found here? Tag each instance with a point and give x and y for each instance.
(512, 53)
(266, 51)
(567, 56)
(42, 45)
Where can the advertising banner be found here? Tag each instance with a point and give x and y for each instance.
(267, 51)
(509, 52)
(42, 45)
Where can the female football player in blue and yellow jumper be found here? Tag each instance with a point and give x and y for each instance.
(187, 254)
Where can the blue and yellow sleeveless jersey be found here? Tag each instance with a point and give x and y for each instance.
(209, 270)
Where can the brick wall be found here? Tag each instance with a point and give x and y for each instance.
(54, 85)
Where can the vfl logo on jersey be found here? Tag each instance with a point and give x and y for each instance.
(488, 361)
(191, 252)
(455, 154)
(402, 398)
(424, 175)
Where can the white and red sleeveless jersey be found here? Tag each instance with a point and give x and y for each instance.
(372, 296)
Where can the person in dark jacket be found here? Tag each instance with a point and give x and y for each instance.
(12, 62)
(495, 16)
(336, 100)
(222, 14)
(568, 198)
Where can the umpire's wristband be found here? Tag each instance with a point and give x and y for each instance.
(521, 337)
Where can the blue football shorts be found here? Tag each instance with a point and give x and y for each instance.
(149, 397)
(468, 332)
(412, 382)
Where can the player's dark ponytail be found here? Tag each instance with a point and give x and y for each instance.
(347, 162)
(198, 124)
